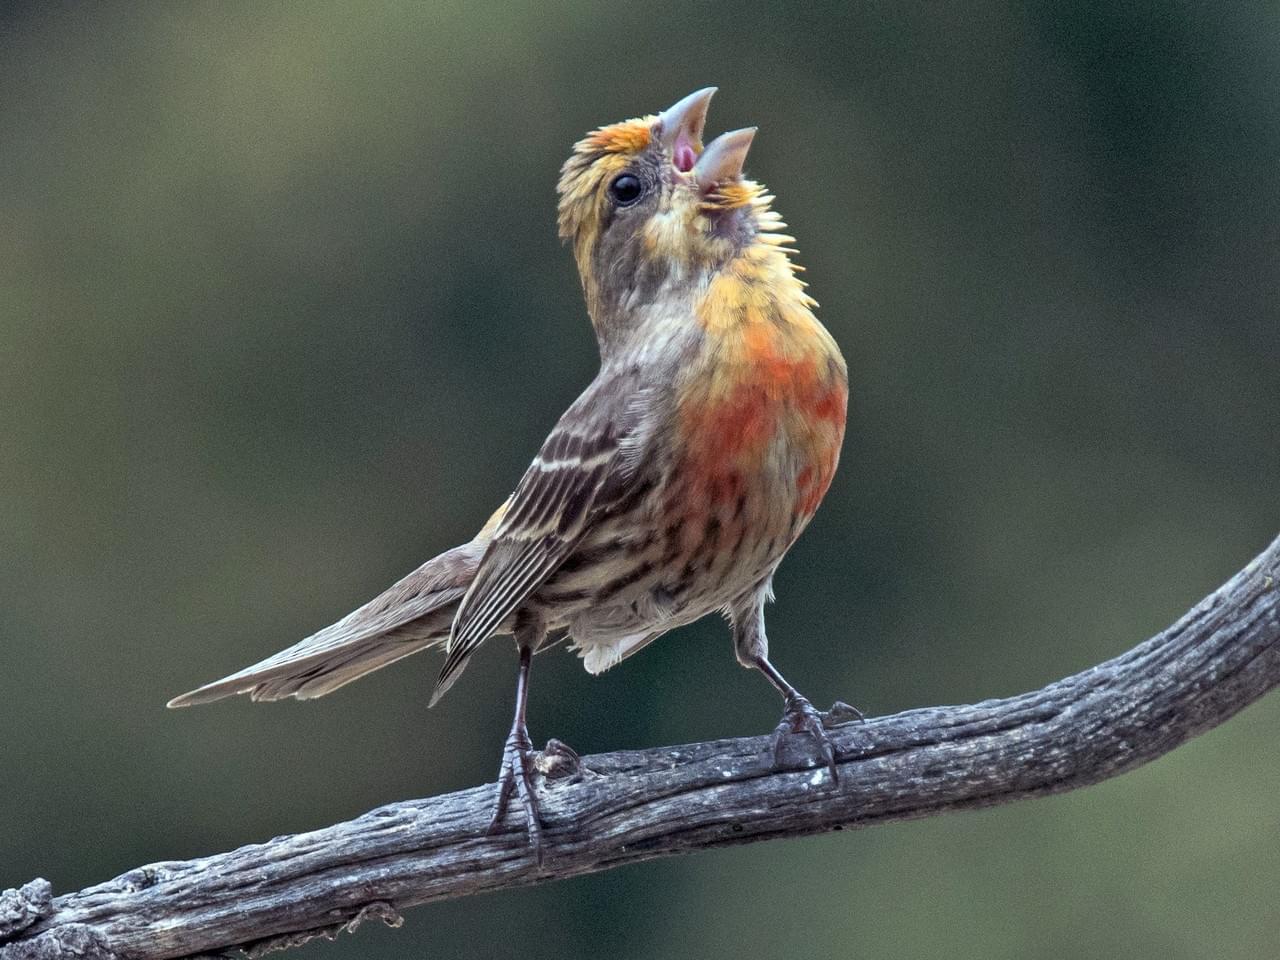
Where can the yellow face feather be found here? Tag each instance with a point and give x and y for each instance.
(596, 159)
(629, 136)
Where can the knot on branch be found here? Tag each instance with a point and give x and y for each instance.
(77, 940)
(22, 907)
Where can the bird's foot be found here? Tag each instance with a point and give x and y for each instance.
(520, 764)
(515, 778)
(800, 717)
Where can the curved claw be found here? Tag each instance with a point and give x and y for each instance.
(842, 713)
(558, 761)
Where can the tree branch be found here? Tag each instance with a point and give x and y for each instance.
(1218, 658)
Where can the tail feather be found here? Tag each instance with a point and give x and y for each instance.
(412, 615)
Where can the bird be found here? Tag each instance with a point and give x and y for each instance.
(671, 488)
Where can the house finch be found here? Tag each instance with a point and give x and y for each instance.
(674, 484)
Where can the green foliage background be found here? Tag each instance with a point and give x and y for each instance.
(282, 313)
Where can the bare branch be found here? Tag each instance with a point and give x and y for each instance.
(626, 807)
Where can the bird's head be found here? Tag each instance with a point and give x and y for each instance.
(649, 210)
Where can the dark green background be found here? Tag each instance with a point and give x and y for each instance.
(283, 313)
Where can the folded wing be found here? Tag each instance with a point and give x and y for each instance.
(590, 448)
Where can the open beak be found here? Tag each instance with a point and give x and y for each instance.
(723, 158)
(681, 130)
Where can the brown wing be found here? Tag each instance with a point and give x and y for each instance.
(549, 512)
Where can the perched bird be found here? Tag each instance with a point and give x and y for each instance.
(676, 482)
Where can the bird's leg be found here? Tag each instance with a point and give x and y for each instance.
(516, 773)
(799, 716)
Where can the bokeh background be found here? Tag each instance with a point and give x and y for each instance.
(282, 313)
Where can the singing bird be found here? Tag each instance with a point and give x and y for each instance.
(672, 487)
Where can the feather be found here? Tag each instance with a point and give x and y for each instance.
(591, 448)
(410, 616)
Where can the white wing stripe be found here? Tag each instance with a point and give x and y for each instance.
(570, 463)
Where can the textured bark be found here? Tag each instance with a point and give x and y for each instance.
(625, 807)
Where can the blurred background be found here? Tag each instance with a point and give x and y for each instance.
(283, 313)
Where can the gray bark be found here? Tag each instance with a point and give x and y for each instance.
(625, 807)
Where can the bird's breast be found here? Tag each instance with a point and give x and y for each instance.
(763, 420)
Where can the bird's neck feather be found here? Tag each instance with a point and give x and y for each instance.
(629, 299)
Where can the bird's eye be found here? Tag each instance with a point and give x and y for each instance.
(626, 190)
